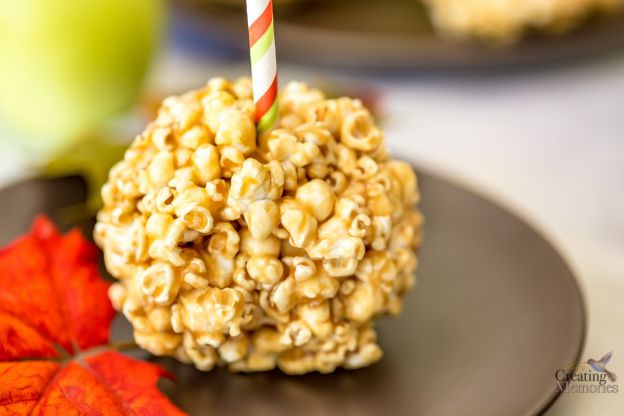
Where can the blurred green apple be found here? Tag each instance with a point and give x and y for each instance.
(66, 65)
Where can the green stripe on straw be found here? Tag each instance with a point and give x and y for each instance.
(268, 119)
(262, 45)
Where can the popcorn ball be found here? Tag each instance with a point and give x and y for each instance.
(260, 252)
(505, 21)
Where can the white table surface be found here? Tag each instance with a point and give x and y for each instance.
(548, 144)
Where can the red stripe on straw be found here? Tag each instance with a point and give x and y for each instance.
(263, 105)
(259, 27)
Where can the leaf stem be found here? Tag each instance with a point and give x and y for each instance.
(117, 346)
(124, 346)
(65, 357)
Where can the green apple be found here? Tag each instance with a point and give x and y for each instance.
(66, 65)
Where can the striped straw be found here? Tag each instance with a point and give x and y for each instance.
(263, 64)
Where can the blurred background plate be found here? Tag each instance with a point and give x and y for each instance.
(495, 313)
(369, 34)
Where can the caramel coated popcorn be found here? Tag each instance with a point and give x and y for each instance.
(505, 21)
(260, 252)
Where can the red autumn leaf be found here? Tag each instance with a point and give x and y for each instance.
(106, 384)
(51, 298)
(51, 295)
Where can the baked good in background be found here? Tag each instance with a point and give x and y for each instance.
(506, 21)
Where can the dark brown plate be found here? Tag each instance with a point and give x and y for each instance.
(379, 34)
(495, 313)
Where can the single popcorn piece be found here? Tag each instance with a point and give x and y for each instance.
(260, 252)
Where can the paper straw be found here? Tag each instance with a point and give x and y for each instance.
(263, 62)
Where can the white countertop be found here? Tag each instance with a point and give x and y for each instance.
(549, 144)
